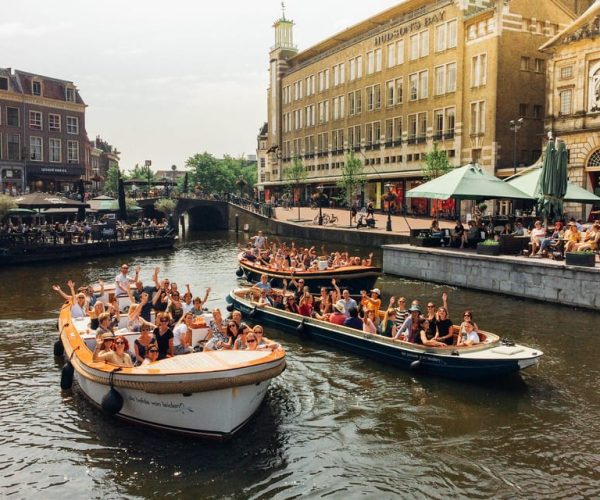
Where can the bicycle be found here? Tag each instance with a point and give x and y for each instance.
(327, 219)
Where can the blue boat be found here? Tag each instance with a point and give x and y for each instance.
(492, 357)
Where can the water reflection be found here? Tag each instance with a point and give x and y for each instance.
(333, 424)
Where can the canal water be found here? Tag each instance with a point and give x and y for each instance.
(332, 425)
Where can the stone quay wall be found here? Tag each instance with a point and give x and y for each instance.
(534, 279)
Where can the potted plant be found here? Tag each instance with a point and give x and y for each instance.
(488, 247)
(584, 258)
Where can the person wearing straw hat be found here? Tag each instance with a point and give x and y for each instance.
(410, 327)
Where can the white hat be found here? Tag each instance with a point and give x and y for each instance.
(339, 305)
(376, 290)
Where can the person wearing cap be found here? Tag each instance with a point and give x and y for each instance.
(590, 239)
(338, 316)
(118, 356)
(104, 345)
(410, 327)
(372, 303)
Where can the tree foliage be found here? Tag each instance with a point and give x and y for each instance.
(142, 172)
(6, 203)
(436, 163)
(165, 205)
(295, 175)
(111, 183)
(353, 177)
(220, 175)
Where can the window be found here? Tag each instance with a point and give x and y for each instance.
(524, 63)
(424, 84)
(440, 80)
(377, 96)
(310, 85)
(357, 135)
(566, 72)
(413, 87)
(72, 151)
(70, 94)
(377, 60)
(359, 67)
(337, 138)
(338, 107)
(539, 66)
(14, 147)
(537, 111)
(355, 68)
(35, 149)
(338, 74)
(400, 52)
(412, 127)
(389, 93)
(36, 88)
(370, 98)
(35, 120)
(72, 125)
(566, 99)
(451, 77)
(399, 90)
(323, 108)
(351, 104)
(452, 34)
(422, 126)
(449, 120)
(391, 55)
(3, 83)
(54, 150)
(53, 123)
(438, 123)
(478, 117)
(377, 133)
(12, 117)
(414, 47)
(419, 45)
(443, 123)
(440, 37)
(424, 42)
(323, 80)
(523, 108)
(479, 70)
(389, 130)
(398, 129)
(358, 99)
(370, 62)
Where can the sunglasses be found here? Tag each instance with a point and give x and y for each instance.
(466, 315)
(153, 350)
(119, 342)
(164, 320)
(251, 341)
(108, 340)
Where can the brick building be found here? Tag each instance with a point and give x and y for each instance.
(573, 98)
(42, 133)
(453, 72)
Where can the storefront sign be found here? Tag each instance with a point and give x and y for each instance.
(71, 170)
(410, 27)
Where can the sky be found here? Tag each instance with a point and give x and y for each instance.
(165, 80)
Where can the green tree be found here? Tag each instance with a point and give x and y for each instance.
(353, 177)
(211, 173)
(6, 203)
(436, 163)
(111, 183)
(295, 175)
(165, 205)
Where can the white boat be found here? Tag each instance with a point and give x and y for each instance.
(210, 394)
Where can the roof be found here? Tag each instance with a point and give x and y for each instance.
(52, 88)
(587, 21)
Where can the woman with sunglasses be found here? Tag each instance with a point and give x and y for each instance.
(443, 325)
(182, 335)
(151, 355)
(164, 337)
(232, 334)
(467, 317)
(257, 331)
(118, 356)
(141, 344)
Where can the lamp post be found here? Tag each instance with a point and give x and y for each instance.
(320, 199)
(388, 197)
(173, 169)
(515, 126)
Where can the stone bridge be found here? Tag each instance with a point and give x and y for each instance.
(202, 214)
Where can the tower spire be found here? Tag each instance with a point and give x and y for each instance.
(283, 11)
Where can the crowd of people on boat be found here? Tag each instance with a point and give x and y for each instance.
(283, 257)
(432, 328)
(163, 315)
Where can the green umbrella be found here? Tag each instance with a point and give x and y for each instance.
(529, 183)
(21, 211)
(470, 182)
(553, 180)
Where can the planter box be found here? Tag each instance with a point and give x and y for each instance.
(580, 259)
(488, 249)
(427, 241)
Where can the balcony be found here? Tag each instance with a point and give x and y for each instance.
(421, 139)
(412, 139)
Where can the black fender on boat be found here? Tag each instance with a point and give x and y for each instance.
(240, 272)
(112, 402)
(301, 328)
(230, 307)
(59, 349)
(252, 312)
(66, 376)
(416, 364)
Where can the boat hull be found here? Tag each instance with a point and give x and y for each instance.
(214, 414)
(469, 366)
(353, 279)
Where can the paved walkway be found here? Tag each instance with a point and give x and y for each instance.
(400, 224)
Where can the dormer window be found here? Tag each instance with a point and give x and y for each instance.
(3, 83)
(36, 88)
(70, 94)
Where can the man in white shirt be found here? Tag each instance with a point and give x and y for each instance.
(123, 281)
(348, 301)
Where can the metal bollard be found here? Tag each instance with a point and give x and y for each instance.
(237, 223)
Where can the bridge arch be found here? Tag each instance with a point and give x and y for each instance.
(204, 215)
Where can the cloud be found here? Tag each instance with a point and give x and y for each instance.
(14, 29)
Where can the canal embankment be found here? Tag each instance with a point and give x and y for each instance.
(544, 280)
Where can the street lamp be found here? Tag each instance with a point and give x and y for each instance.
(515, 126)
(320, 190)
(173, 169)
(389, 197)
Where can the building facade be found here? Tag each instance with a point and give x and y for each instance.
(42, 133)
(451, 72)
(573, 99)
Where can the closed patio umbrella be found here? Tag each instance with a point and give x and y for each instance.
(553, 180)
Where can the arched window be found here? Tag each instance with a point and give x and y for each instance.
(594, 160)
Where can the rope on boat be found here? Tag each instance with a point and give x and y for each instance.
(182, 387)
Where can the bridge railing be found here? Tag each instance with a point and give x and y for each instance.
(264, 209)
